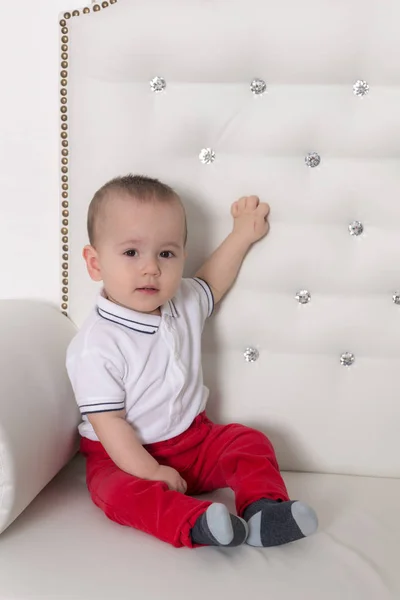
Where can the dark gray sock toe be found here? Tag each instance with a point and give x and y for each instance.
(217, 527)
(275, 523)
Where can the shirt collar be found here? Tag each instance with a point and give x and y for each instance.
(132, 319)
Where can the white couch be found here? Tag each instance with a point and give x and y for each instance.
(324, 382)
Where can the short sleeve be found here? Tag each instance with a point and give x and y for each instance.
(97, 382)
(199, 290)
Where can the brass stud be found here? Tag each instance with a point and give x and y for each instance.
(64, 178)
(64, 161)
(104, 4)
(65, 298)
(64, 56)
(63, 82)
(63, 92)
(67, 15)
(64, 48)
(63, 109)
(65, 266)
(64, 290)
(64, 126)
(64, 306)
(65, 186)
(113, 1)
(64, 30)
(63, 23)
(64, 135)
(64, 152)
(64, 231)
(65, 256)
(65, 281)
(75, 13)
(64, 39)
(64, 194)
(64, 101)
(64, 169)
(64, 118)
(64, 239)
(96, 8)
(65, 248)
(64, 63)
(65, 221)
(65, 273)
(65, 213)
(64, 143)
(64, 74)
(86, 10)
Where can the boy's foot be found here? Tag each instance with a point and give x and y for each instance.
(217, 527)
(272, 523)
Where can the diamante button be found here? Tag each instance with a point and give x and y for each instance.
(158, 84)
(303, 297)
(251, 354)
(347, 359)
(396, 298)
(207, 156)
(258, 86)
(312, 159)
(356, 228)
(360, 88)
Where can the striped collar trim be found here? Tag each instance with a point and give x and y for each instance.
(132, 319)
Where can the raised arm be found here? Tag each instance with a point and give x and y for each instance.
(250, 224)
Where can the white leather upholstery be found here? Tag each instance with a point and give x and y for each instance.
(38, 414)
(320, 415)
(63, 546)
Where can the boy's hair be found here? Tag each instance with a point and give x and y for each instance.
(139, 187)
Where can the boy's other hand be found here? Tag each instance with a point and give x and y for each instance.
(171, 477)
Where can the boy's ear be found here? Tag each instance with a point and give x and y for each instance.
(92, 263)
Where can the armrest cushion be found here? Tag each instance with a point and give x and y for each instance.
(38, 413)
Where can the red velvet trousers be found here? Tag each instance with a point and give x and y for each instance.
(207, 456)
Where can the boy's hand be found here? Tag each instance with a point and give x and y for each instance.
(250, 218)
(171, 477)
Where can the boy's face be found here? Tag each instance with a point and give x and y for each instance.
(139, 252)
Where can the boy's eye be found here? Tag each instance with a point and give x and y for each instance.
(166, 254)
(130, 253)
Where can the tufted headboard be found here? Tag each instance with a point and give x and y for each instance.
(298, 103)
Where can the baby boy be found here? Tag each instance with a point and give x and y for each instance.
(135, 367)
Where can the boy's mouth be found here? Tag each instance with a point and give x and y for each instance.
(147, 290)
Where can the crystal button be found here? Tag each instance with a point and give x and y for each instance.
(347, 359)
(258, 86)
(207, 156)
(158, 84)
(360, 88)
(312, 159)
(303, 297)
(396, 298)
(356, 228)
(251, 354)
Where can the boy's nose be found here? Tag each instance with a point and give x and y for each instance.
(151, 267)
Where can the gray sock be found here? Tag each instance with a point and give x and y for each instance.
(217, 527)
(272, 523)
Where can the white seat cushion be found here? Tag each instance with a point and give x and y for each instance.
(71, 550)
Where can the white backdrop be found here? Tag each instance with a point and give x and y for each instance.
(29, 148)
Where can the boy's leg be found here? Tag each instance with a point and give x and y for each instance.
(151, 507)
(246, 462)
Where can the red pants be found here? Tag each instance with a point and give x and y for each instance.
(207, 456)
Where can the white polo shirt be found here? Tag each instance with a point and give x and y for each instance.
(148, 364)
